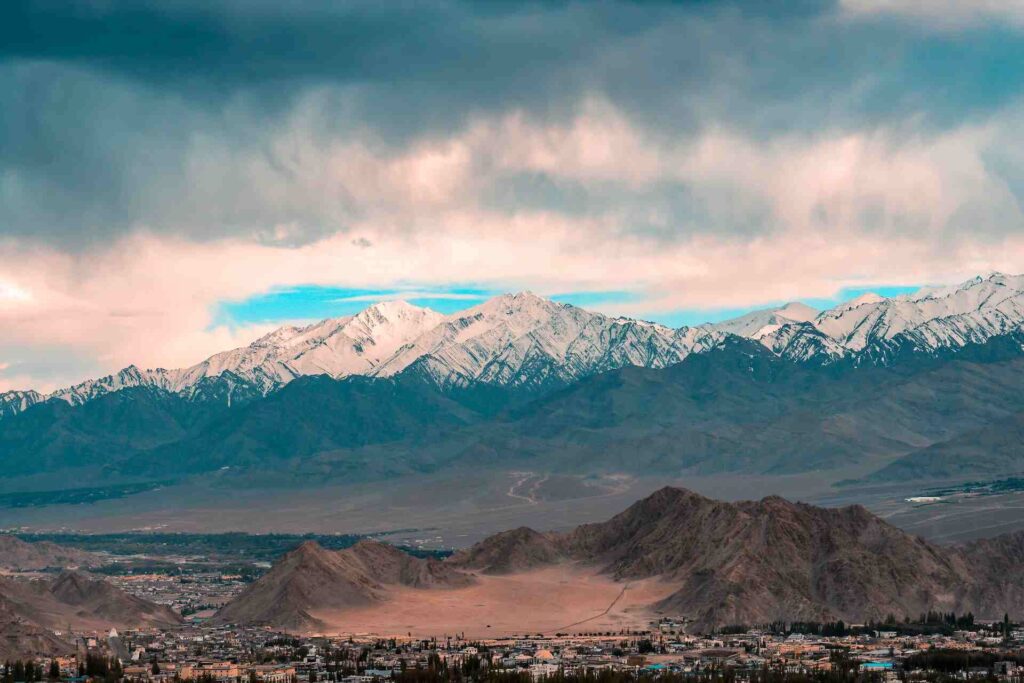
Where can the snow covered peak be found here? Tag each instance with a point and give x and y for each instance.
(396, 309)
(484, 327)
(398, 317)
(980, 286)
(14, 402)
(278, 336)
(126, 378)
(524, 339)
(349, 345)
(797, 311)
(520, 303)
(757, 324)
(926, 320)
(972, 311)
(865, 298)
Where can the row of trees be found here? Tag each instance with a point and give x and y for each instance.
(29, 671)
(931, 622)
(951, 661)
(839, 674)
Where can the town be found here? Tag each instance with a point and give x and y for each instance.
(945, 647)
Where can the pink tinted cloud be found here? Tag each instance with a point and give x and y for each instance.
(848, 209)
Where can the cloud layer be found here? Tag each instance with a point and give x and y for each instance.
(157, 162)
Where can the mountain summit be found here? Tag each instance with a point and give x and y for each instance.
(524, 340)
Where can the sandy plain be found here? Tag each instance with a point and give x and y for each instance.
(561, 599)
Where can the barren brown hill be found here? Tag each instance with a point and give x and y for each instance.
(19, 555)
(31, 609)
(759, 561)
(98, 599)
(710, 562)
(510, 552)
(311, 578)
(78, 600)
(23, 639)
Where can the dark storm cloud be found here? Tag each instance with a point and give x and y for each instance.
(104, 104)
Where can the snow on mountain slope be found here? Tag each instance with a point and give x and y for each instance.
(932, 318)
(351, 345)
(804, 343)
(510, 340)
(525, 340)
(757, 324)
(13, 402)
(929, 319)
(126, 378)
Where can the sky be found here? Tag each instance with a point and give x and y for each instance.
(177, 178)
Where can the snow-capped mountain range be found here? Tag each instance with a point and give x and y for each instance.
(926, 320)
(525, 340)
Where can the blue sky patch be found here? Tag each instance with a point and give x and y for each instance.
(312, 302)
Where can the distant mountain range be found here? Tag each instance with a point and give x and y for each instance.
(523, 340)
(918, 381)
(750, 563)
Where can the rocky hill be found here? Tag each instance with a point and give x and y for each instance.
(719, 563)
(760, 561)
(103, 601)
(21, 638)
(510, 552)
(18, 555)
(311, 578)
(30, 610)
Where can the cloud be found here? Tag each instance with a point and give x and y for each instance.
(120, 116)
(941, 13)
(151, 300)
(157, 161)
(409, 295)
(832, 212)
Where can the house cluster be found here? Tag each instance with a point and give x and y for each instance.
(194, 595)
(235, 655)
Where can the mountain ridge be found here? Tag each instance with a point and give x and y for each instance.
(311, 578)
(525, 340)
(750, 562)
(736, 408)
(754, 562)
(31, 609)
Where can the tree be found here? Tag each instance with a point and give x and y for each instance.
(54, 670)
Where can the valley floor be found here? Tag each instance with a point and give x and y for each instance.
(457, 509)
(562, 599)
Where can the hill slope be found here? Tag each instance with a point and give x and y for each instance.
(19, 555)
(760, 561)
(31, 609)
(995, 450)
(738, 407)
(742, 408)
(311, 579)
(715, 563)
